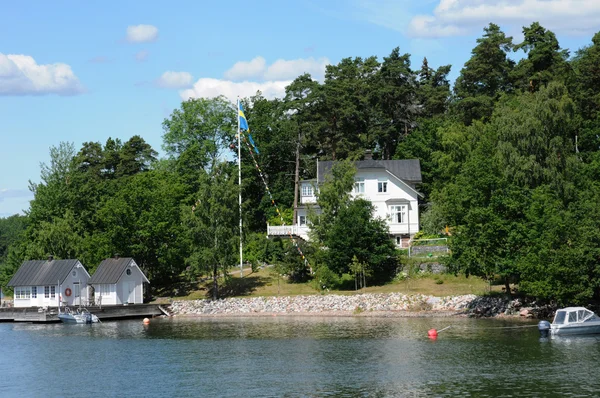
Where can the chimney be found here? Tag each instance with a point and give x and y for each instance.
(116, 256)
(368, 154)
(50, 258)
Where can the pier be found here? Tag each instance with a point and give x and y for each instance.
(106, 312)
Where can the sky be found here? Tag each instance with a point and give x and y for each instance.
(75, 71)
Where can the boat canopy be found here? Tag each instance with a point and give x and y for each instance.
(572, 315)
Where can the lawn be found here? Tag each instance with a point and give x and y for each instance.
(265, 283)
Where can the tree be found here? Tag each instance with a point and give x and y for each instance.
(485, 75)
(433, 91)
(545, 61)
(197, 135)
(394, 101)
(212, 224)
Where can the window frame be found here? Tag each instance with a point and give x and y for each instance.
(359, 186)
(382, 186)
(307, 190)
(398, 211)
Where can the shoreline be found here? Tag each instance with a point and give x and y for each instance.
(388, 305)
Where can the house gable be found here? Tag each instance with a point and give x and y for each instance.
(111, 270)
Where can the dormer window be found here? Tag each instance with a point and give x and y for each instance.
(307, 190)
(359, 186)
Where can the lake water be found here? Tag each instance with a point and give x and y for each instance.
(294, 357)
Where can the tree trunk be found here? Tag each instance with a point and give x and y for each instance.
(215, 283)
(507, 286)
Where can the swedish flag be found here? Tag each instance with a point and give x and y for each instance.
(244, 126)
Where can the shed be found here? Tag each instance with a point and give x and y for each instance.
(42, 283)
(118, 280)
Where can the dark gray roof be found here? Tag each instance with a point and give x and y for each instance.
(110, 270)
(408, 170)
(42, 272)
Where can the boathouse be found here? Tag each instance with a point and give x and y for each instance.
(118, 280)
(42, 283)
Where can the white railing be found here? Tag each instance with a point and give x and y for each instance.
(287, 230)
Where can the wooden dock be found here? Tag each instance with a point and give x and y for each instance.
(106, 312)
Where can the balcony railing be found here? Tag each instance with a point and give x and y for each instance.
(287, 230)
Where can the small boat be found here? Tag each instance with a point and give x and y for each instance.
(571, 321)
(81, 315)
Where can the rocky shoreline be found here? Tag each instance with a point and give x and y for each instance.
(382, 304)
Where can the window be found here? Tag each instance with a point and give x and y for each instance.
(34, 292)
(301, 220)
(74, 273)
(47, 291)
(382, 186)
(398, 214)
(128, 272)
(76, 290)
(359, 187)
(105, 290)
(307, 190)
(52, 291)
(23, 292)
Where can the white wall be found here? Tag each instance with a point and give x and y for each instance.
(398, 193)
(119, 293)
(77, 274)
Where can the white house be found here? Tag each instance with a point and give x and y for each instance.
(42, 283)
(118, 280)
(388, 184)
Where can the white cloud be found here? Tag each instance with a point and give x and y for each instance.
(209, 88)
(172, 79)
(457, 17)
(142, 33)
(247, 69)
(21, 75)
(141, 56)
(281, 69)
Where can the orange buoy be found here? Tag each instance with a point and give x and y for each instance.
(432, 333)
(146, 321)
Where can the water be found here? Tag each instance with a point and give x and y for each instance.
(294, 357)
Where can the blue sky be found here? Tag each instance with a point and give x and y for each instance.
(85, 71)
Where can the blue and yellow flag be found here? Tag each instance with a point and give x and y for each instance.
(244, 126)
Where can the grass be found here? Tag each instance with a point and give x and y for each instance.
(263, 283)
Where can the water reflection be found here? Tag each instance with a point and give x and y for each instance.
(287, 356)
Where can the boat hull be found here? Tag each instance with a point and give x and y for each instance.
(78, 319)
(574, 329)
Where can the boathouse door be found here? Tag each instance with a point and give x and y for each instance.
(129, 291)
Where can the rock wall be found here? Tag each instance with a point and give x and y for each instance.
(332, 304)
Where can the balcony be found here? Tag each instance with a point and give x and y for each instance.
(296, 231)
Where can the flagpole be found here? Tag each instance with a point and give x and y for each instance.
(239, 133)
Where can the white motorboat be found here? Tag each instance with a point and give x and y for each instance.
(80, 315)
(571, 321)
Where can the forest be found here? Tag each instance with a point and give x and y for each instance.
(509, 153)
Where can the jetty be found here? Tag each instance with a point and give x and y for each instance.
(105, 312)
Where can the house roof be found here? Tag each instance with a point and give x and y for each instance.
(408, 170)
(42, 272)
(111, 269)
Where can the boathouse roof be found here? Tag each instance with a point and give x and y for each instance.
(42, 272)
(110, 270)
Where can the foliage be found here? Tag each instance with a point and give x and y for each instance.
(510, 161)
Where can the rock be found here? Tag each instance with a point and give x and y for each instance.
(524, 312)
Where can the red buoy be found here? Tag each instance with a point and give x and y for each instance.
(432, 333)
